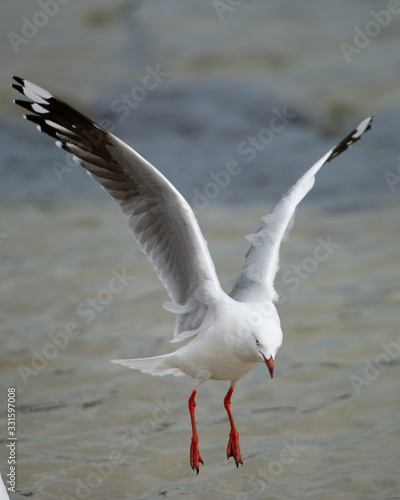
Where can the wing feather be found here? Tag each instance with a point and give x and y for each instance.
(159, 217)
(256, 280)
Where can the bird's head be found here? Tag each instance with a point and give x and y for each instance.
(260, 339)
(266, 342)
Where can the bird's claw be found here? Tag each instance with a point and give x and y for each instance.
(196, 468)
(233, 449)
(195, 458)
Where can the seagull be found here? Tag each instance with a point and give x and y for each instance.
(231, 334)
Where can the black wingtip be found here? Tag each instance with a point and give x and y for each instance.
(24, 104)
(17, 87)
(18, 79)
(354, 136)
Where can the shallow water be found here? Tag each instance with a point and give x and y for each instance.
(327, 426)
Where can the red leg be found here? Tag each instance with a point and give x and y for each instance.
(233, 449)
(195, 457)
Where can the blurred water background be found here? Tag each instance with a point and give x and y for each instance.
(197, 87)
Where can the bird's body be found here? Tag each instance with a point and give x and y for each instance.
(231, 333)
(220, 351)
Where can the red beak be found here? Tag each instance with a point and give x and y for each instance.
(270, 364)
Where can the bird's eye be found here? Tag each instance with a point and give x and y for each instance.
(257, 342)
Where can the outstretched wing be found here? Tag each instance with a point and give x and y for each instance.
(256, 280)
(159, 217)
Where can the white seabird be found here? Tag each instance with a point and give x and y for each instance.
(232, 333)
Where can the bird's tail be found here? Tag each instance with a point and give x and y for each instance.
(157, 365)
